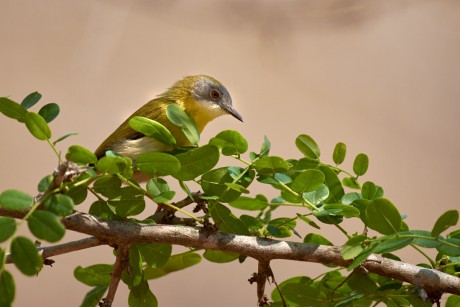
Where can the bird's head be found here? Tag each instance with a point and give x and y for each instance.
(203, 97)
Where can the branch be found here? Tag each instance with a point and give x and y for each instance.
(121, 263)
(262, 249)
(60, 249)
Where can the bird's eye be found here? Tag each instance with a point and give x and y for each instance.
(215, 94)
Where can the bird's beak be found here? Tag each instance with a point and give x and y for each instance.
(234, 113)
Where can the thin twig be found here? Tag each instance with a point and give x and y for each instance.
(263, 273)
(121, 263)
(60, 249)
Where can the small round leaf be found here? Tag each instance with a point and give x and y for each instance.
(49, 112)
(46, 225)
(360, 164)
(79, 154)
(339, 153)
(307, 146)
(25, 256)
(308, 181)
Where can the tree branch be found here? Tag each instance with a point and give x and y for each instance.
(121, 263)
(60, 249)
(262, 249)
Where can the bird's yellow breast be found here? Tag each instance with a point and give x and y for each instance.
(202, 111)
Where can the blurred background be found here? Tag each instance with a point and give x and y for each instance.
(381, 76)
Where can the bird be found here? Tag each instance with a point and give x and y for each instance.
(201, 96)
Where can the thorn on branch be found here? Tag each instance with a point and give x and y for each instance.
(48, 262)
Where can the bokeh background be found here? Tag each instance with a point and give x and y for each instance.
(381, 76)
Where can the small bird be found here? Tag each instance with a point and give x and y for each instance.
(202, 97)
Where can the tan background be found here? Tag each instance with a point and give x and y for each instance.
(381, 76)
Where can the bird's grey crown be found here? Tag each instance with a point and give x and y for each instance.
(202, 91)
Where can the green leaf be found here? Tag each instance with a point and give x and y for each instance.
(219, 256)
(158, 164)
(226, 221)
(249, 203)
(8, 227)
(79, 154)
(304, 295)
(65, 136)
(338, 209)
(281, 227)
(37, 126)
(179, 118)
(101, 209)
(15, 200)
(94, 296)
(45, 183)
(294, 280)
(348, 198)
(351, 183)
(361, 205)
(49, 112)
(46, 226)
(308, 221)
(314, 238)
(108, 186)
(152, 129)
(422, 238)
(7, 288)
(308, 181)
(94, 275)
(317, 196)
(450, 247)
(307, 146)
(390, 245)
(271, 165)
(77, 193)
(142, 296)
(12, 109)
(159, 190)
(453, 301)
(333, 183)
(59, 204)
(448, 219)
(371, 191)
(304, 163)
(253, 224)
(31, 100)
(25, 256)
(361, 257)
(220, 182)
(383, 216)
(353, 247)
(353, 297)
(196, 162)
(360, 281)
(112, 165)
(339, 153)
(135, 267)
(360, 164)
(155, 254)
(175, 263)
(131, 202)
(231, 142)
(265, 148)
